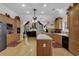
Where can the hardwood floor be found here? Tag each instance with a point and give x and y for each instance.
(22, 49)
(61, 52)
(29, 49)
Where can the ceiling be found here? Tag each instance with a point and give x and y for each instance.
(42, 8)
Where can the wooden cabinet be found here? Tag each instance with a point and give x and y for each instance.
(12, 34)
(10, 38)
(57, 38)
(44, 48)
(58, 23)
(18, 29)
(73, 24)
(10, 31)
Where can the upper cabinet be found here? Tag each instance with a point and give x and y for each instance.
(58, 24)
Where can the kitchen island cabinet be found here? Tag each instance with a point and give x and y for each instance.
(44, 45)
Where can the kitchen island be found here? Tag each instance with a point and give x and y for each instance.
(44, 45)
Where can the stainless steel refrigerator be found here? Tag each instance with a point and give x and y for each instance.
(3, 38)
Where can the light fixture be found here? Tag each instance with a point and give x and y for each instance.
(45, 5)
(23, 5)
(36, 21)
(33, 21)
(34, 17)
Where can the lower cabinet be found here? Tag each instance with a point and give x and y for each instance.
(44, 47)
(57, 38)
(62, 40)
(10, 38)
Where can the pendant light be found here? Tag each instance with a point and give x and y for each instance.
(34, 17)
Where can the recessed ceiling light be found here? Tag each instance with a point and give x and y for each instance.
(23, 5)
(42, 12)
(45, 5)
(27, 12)
(60, 10)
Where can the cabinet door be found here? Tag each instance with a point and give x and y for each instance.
(74, 30)
(57, 38)
(44, 48)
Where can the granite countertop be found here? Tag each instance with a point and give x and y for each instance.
(43, 37)
(62, 34)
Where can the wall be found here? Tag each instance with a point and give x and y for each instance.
(64, 24)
